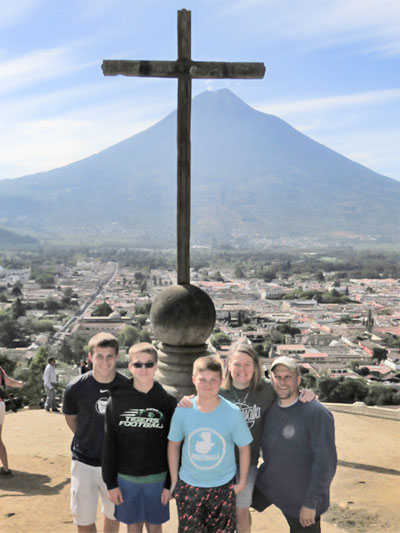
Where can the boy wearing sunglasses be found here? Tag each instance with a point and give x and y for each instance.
(134, 465)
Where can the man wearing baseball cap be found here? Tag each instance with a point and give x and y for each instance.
(299, 452)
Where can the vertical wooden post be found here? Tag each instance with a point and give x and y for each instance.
(184, 69)
(184, 150)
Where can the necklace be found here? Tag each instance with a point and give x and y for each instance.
(237, 399)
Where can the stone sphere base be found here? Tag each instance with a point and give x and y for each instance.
(182, 315)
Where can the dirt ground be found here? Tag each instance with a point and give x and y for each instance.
(365, 493)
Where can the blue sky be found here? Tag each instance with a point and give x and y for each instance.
(333, 72)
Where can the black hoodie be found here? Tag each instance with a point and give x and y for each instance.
(136, 433)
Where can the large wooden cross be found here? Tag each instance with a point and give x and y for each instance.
(185, 70)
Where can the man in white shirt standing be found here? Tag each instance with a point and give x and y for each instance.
(50, 379)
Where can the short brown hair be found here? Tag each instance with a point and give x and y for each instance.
(207, 362)
(103, 340)
(243, 346)
(145, 347)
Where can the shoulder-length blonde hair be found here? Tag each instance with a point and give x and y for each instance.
(243, 346)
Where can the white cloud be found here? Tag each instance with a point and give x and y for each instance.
(40, 135)
(316, 23)
(325, 103)
(34, 67)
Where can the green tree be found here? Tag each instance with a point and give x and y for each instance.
(326, 390)
(129, 336)
(143, 308)
(33, 388)
(220, 339)
(379, 395)
(16, 291)
(17, 308)
(216, 276)
(9, 330)
(269, 275)
(67, 295)
(238, 272)
(354, 364)
(370, 321)
(309, 381)
(351, 390)
(51, 306)
(144, 336)
(143, 286)
(380, 354)
(267, 345)
(79, 346)
(65, 352)
(103, 309)
(46, 280)
(43, 326)
(141, 319)
(259, 349)
(7, 364)
(138, 277)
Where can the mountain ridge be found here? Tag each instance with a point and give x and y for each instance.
(253, 176)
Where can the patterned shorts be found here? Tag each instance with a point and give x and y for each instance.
(210, 510)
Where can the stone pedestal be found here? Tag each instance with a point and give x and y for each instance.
(182, 317)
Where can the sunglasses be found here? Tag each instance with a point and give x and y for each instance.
(147, 364)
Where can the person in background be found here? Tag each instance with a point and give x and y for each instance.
(9, 382)
(49, 380)
(84, 366)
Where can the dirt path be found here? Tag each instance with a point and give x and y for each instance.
(365, 491)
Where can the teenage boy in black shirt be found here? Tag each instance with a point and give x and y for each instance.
(84, 406)
(134, 465)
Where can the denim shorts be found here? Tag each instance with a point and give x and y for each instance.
(142, 503)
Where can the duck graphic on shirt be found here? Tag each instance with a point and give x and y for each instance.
(206, 448)
(204, 445)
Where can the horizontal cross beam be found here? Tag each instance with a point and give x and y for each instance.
(179, 68)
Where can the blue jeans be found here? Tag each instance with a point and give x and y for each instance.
(50, 398)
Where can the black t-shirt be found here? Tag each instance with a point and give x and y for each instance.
(87, 398)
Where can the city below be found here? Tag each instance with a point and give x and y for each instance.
(339, 328)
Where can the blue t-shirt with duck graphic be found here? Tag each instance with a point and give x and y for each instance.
(208, 455)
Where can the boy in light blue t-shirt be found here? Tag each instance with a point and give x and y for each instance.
(205, 491)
